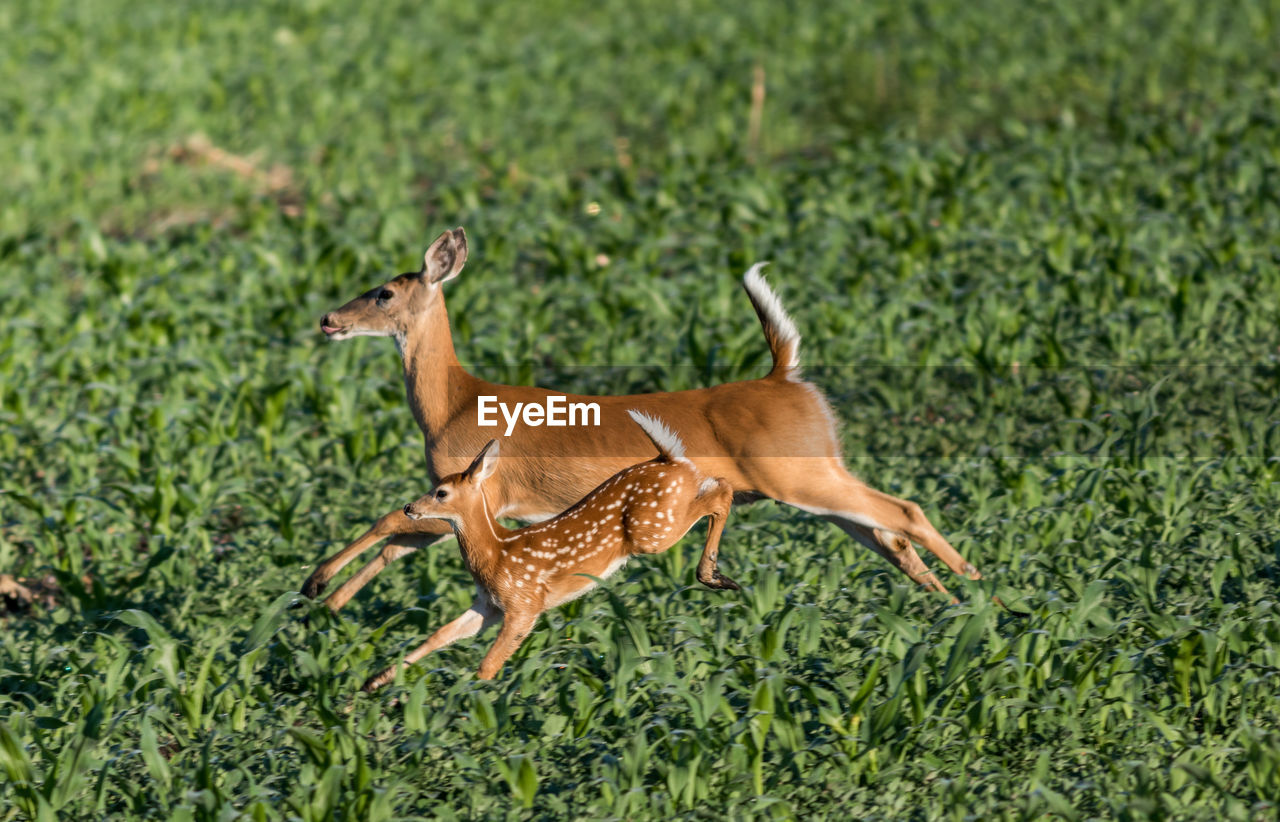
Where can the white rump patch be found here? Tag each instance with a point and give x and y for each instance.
(769, 303)
(833, 425)
(662, 436)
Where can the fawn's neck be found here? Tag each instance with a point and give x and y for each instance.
(482, 539)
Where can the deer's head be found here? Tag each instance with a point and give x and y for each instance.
(391, 309)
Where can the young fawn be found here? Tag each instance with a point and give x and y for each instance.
(769, 438)
(644, 509)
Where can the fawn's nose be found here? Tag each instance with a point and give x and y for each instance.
(325, 322)
(407, 512)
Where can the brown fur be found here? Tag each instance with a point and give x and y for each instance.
(767, 438)
(644, 509)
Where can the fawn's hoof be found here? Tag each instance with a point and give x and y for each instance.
(1013, 611)
(373, 683)
(720, 582)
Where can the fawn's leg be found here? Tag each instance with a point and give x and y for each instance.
(475, 619)
(514, 629)
(394, 524)
(714, 503)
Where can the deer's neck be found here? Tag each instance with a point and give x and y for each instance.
(434, 380)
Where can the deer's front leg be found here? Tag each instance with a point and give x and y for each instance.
(393, 524)
(399, 545)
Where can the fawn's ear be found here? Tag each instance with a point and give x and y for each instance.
(446, 256)
(484, 463)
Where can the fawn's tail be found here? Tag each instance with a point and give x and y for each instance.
(664, 439)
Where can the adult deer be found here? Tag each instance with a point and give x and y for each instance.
(644, 509)
(773, 437)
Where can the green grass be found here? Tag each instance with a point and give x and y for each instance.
(1033, 254)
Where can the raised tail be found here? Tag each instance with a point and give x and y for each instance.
(779, 330)
(664, 439)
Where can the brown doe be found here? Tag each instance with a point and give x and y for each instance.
(773, 437)
(644, 509)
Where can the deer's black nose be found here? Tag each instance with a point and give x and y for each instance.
(406, 509)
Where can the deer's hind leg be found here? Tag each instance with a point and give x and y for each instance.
(880, 521)
(896, 549)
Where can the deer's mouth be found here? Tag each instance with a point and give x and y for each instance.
(333, 331)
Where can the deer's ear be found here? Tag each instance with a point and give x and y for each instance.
(446, 256)
(486, 461)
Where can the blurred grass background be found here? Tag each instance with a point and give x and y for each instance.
(1033, 252)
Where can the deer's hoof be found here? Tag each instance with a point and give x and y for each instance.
(313, 587)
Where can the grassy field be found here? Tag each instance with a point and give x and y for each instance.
(1033, 251)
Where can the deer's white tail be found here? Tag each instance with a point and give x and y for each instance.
(663, 438)
(779, 330)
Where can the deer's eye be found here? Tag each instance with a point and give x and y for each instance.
(385, 294)
(442, 494)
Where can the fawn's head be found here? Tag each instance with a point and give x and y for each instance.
(458, 496)
(390, 309)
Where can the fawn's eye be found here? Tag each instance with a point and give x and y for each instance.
(442, 494)
(385, 294)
